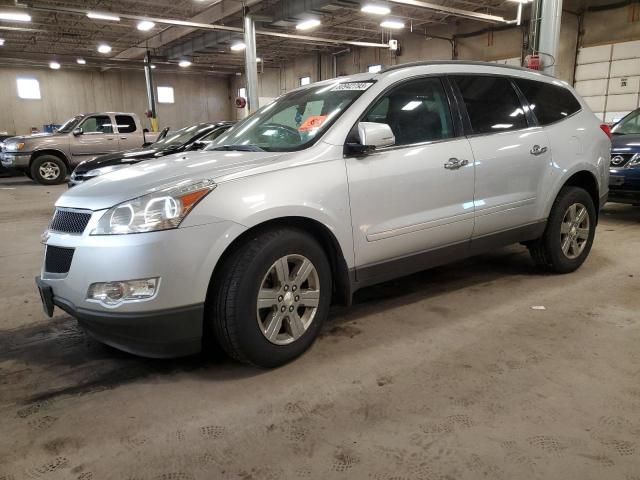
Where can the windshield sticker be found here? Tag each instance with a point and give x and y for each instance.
(352, 86)
(312, 123)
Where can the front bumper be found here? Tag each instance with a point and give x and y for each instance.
(624, 185)
(169, 324)
(15, 160)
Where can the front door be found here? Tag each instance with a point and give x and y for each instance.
(511, 155)
(97, 138)
(417, 195)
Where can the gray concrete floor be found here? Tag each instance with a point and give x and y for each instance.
(447, 374)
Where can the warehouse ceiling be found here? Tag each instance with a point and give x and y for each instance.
(61, 30)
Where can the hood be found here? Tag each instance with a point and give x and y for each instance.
(128, 183)
(625, 143)
(119, 158)
(23, 138)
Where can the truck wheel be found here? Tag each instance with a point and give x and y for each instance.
(48, 170)
(271, 297)
(570, 231)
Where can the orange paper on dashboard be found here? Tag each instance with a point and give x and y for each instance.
(312, 123)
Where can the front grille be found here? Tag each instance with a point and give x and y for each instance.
(619, 160)
(69, 221)
(58, 259)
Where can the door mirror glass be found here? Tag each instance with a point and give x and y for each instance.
(372, 135)
(77, 131)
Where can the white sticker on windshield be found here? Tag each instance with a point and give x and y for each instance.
(357, 86)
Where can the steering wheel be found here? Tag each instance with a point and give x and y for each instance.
(284, 133)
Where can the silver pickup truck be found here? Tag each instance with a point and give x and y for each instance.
(48, 158)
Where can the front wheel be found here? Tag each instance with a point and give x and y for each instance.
(48, 170)
(570, 231)
(271, 297)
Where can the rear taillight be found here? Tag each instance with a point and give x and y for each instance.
(606, 129)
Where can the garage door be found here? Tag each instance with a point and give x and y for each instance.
(608, 77)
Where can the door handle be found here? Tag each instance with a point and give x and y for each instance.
(110, 138)
(123, 138)
(455, 164)
(538, 150)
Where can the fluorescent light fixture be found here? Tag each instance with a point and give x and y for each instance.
(238, 46)
(392, 24)
(103, 16)
(15, 16)
(81, 61)
(184, 63)
(375, 9)
(308, 24)
(104, 48)
(521, 1)
(375, 68)
(145, 25)
(153, 67)
(54, 65)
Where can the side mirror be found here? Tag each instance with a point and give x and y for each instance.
(77, 131)
(371, 136)
(198, 145)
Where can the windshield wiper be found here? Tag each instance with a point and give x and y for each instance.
(238, 148)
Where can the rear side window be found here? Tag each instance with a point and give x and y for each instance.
(417, 111)
(549, 103)
(492, 104)
(126, 124)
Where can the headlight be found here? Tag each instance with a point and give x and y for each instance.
(96, 172)
(14, 146)
(634, 162)
(163, 209)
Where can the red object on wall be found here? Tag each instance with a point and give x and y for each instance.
(241, 102)
(533, 62)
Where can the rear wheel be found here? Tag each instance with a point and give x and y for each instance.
(48, 170)
(570, 231)
(271, 297)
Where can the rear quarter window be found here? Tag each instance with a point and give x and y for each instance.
(550, 103)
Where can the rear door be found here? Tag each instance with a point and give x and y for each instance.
(129, 136)
(97, 138)
(511, 153)
(409, 199)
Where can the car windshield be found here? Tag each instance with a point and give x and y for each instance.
(70, 124)
(629, 125)
(293, 121)
(182, 136)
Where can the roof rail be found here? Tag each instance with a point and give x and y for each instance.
(458, 62)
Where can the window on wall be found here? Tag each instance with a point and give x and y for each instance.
(165, 95)
(28, 89)
(375, 68)
(242, 92)
(305, 81)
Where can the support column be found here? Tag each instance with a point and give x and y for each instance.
(151, 96)
(251, 64)
(550, 21)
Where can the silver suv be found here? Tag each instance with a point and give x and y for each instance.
(332, 187)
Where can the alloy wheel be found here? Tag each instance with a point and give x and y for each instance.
(49, 171)
(574, 230)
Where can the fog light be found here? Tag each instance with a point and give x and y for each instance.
(115, 293)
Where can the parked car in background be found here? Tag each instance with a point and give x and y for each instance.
(332, 187)
(195, 137)
(624, 173)
(4, 171)
(47, 158)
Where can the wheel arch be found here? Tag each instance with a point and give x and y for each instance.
(342, 291)
(50, 151)
(587, 181)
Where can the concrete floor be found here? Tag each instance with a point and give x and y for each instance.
(447, 374)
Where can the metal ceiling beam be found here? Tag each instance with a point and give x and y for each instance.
(456, 12)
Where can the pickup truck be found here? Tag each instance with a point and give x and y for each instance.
(48, 158)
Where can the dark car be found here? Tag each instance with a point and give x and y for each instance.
(195, 137)
(624, 180)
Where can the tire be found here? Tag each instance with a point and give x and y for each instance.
(548, 252)
(48, 170)
(241, 328)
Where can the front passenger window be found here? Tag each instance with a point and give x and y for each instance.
(417, 111)
(97, 124)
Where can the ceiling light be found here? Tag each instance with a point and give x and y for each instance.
(54, 65)
(375, 9)
(104, 48)
(392, 24)
(103, 16)
(81, 61)
(1, 42)
(258, 59)
(184, 63)
(153, 66)
(15, 16)
(308, 24)
(145, 25)
(238, 46)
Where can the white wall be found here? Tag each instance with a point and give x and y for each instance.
(65, 93)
